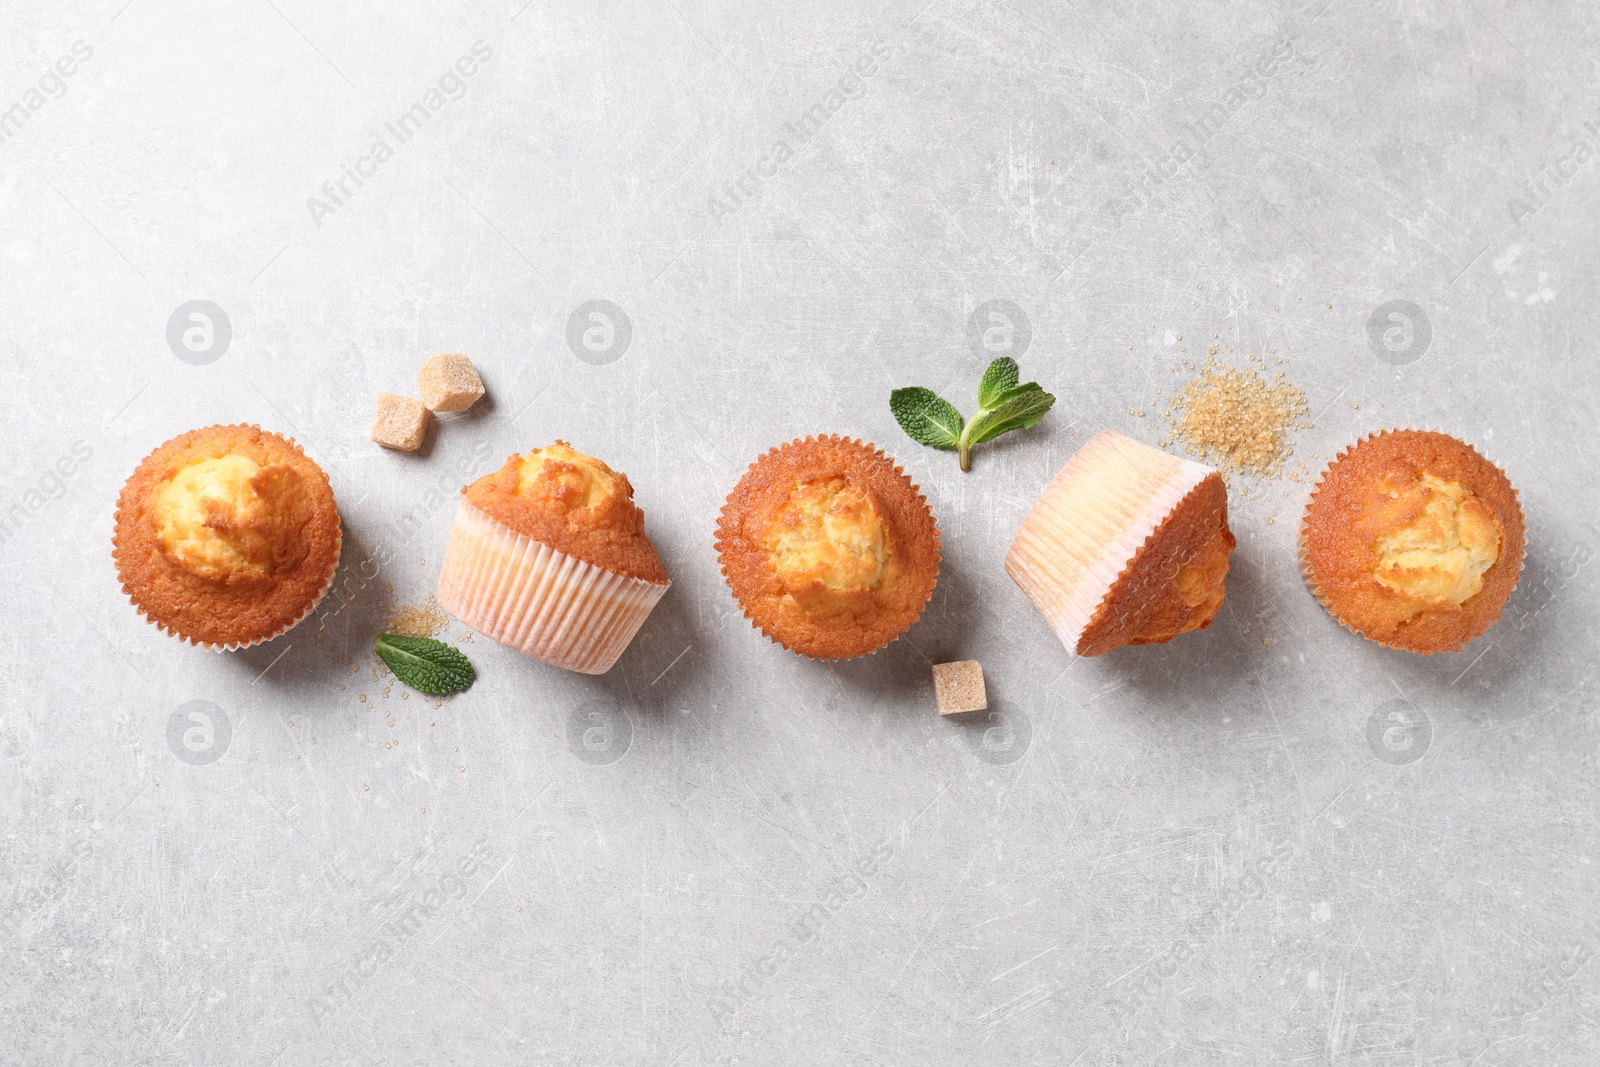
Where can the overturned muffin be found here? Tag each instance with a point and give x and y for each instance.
(828, 547)
(1127, 545)
(1413, 540)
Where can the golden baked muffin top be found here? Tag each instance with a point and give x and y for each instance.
(226, 534)
(828, 547)
(573, 503)
(1414, 540)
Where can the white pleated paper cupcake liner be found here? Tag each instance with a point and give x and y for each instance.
(1091, 522)
(537, 600)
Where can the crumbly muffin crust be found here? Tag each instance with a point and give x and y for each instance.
(226, 573)
(1174, 584)
(1398, 535)
(828, 547)
(576, 505)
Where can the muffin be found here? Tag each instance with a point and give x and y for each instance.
(828, 547)
(548, 555)
(1127, 545)
(226, 536)
(1413, 540)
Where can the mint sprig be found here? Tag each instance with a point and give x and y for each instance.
(1003, 406)
(424, 664)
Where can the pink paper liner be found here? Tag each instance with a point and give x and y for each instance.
(1091, 522)
(541, 602)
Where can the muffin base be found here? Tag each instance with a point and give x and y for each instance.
(544, 603)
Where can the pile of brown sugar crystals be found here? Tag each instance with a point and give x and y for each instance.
(1237, 419)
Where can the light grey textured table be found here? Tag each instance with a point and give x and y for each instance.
(1222, 850)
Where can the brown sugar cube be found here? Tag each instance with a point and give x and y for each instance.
(958, 687)
(400, 422)
(449, 382)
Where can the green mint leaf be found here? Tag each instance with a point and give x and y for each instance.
(999, 378)
(928, 419)
(1003, 405)
(425, 664)
(1016, 409)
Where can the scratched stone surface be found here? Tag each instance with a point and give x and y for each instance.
(676, 233)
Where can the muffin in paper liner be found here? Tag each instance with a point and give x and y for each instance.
(540, 601)
(829, 549)
(548, 555)
(1392, 504)
(1127, 545)
(227, 536)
